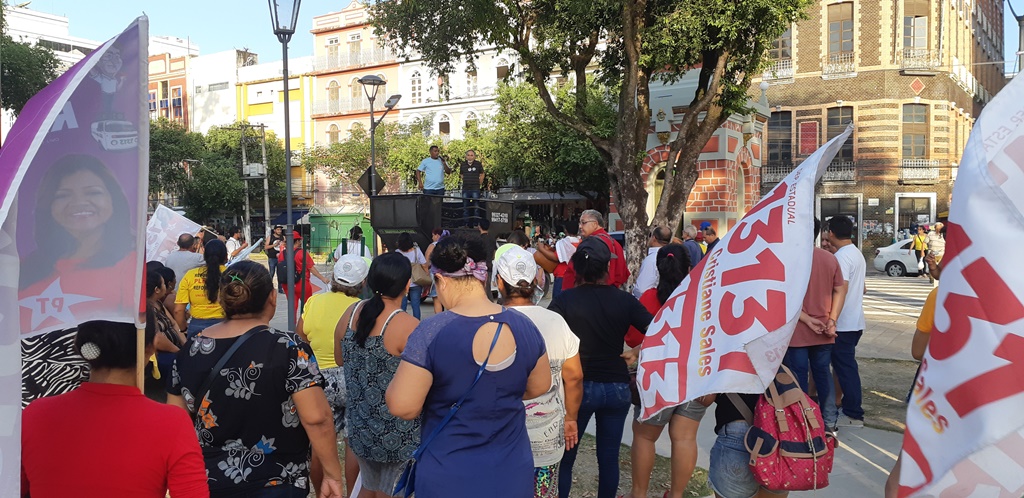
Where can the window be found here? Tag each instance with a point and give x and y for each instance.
(782, 47)
(471, 83)
(332, 91)
(915, 32)
(416, 84)
(780, 138)
(838, 118)
(332, 134)
(502, 69)
(840, 28)
(355, 49)
(333, 51)
(444, 88)
(471, 121)
(152, 101)
(218, 86)
(165, 91)
(915, 131)
(382, 93)
(355, 90)
(444, 126)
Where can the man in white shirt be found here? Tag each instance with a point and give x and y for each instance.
(235, 243)
(185, 258)
(648, 276)
(849, 326)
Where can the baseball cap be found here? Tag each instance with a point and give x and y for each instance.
(350, 269)
(595, 249)
(516, 264)
(296, 235)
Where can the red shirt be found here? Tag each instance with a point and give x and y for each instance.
(104, 440)
(825, 275)
(650, 301)
(618, 272)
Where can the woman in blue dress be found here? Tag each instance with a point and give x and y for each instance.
(484, 450)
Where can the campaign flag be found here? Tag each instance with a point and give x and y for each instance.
(73, 186)
(965, 431)
(244, 253)
(727, 326)
(163, 230)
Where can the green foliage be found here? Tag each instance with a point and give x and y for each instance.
(212, 190)
(170, 145)
(24, 69)
(535, 149)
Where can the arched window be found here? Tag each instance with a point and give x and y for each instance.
(355, 89)
(332, 134)
(503, 69)
(332, 91)
(382, 93)
(416, 90)
(471, 121)
(444, 125)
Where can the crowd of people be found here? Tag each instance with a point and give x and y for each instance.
(486, 397)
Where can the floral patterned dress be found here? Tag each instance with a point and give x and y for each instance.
(248, 426)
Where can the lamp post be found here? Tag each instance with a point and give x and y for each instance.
(371, 85)
(284, 15)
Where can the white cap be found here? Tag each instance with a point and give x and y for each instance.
(350, 269)
(516, 264)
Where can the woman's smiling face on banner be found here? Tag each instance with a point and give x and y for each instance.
(82, 203)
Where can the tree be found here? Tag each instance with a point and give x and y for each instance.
(171, 146)
(224, 149)
(630, 43)
(24, 69)
(531, 146)
(212, 190)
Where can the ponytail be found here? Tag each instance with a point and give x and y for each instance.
(368, 313)
(673, 263)
(388, 276)
(215, 253)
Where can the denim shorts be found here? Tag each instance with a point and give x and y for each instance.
(692, 410)
(730, 475)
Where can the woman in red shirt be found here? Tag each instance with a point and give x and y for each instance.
(121, 443)
(673, 263)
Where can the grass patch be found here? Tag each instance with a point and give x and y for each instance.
(885, 384)
(585, 474)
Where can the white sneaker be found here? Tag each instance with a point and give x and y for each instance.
(852, 423)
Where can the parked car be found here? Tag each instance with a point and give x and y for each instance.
(897, 259)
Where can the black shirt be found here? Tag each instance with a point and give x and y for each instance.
(600, 315)
(471, 175)
(725, 410)
(272, 253)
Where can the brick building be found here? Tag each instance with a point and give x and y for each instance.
(911, 76)
(168, 88)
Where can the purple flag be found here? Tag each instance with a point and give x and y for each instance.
(74, 174)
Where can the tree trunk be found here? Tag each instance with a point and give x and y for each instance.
(631, 200)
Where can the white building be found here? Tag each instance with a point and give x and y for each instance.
(213, 79)
(452, 101)
(177, 47)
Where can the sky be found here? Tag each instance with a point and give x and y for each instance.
(219, 25)
(213, 25)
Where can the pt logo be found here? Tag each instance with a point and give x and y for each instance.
(53, 303)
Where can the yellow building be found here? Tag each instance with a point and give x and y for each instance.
(260, 97)
(345, 49)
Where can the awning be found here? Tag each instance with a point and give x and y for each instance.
(282, 219)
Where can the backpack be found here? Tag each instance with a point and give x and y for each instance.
(789, 448)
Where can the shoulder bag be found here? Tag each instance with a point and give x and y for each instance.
(207, 384)
(407, 482)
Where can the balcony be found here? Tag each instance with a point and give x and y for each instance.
(841, 171)
(343, 106)
(349, 60)
(780, 71)
(923, 171)
(919, 61)
(773, 173)
(835, 66)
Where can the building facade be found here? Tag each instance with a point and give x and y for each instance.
(346, 49)
(910, 76)
(168, 88)
(212, 79)
(259, 97)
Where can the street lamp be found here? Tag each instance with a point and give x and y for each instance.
(371, 85)
(284, 15)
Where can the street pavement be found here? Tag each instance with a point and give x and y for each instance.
(865, 456)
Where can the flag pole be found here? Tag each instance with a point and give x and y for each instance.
(140, 358)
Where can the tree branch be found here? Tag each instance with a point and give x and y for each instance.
(579, 66)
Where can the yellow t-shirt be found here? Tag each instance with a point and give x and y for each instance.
(319, 319)
(192, 290)
(926, 320)
(920, 243)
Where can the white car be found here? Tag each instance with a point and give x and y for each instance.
(115, 135)
(897, 259)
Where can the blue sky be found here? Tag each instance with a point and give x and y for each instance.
(218, 25)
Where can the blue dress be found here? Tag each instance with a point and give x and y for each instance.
(485, 449)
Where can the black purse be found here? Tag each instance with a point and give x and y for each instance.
(407, 482)
(208, 383)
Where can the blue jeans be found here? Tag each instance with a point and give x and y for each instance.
(818, 358)
(608, 402)
(415, 296)
(844, 361)
(433, 191)
(729, 471)
(272, 266)
(197, 325)
(470, 200)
